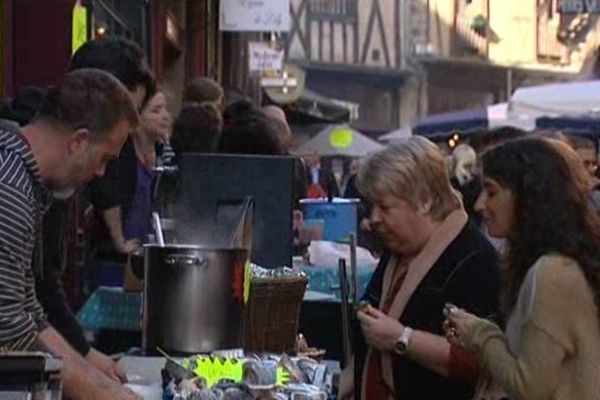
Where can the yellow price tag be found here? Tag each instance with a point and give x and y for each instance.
(215, 369)
(341, 138)
(79, 27)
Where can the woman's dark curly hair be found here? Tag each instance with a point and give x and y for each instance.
(553, 213)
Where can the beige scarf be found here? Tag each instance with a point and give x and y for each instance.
(418, 267)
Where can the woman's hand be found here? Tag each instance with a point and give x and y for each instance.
(127, 246)
(346, 389)
(459, 327)
(380, 331)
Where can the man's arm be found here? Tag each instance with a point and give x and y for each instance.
(81, 380)
(18, 327)
(51, 294)
(49, 288)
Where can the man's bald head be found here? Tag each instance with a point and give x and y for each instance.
(275, 112)
(284, 133)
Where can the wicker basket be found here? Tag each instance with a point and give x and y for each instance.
(272, 314)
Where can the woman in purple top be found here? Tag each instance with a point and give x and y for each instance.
(154, 128)
(134, 176)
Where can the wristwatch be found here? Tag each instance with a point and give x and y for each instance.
(401, 345)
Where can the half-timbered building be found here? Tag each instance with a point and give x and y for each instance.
(403, 59)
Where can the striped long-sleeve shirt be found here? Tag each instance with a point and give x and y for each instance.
(21, 206)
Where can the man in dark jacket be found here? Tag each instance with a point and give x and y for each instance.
(321, 181)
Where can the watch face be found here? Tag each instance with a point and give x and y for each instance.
(400, 348)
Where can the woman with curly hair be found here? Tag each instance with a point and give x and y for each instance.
(536, 195)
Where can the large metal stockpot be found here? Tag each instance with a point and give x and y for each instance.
(193, 298)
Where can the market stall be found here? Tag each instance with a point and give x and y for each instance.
(218, 289)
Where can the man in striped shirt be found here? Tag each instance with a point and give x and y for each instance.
(81, 126)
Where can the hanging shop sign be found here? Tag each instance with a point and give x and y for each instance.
(265, 56)
(284, 86)
(79, 27)
(254, 15)
(578, 6)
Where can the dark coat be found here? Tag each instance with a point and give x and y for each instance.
(115, 189)
(117, 186)
(470, 191)
(49, 286)
(326, 181)
(466, 275)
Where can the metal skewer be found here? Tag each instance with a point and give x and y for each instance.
(353, 276)
(345, 315)
(158, 229)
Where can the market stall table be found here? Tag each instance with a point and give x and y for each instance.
(115, 315)
(145, 378)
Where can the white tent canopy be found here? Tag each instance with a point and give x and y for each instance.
(573, 99)
(395, 135)
(338, 140)
(498, 116)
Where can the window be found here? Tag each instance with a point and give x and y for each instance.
(332, 9)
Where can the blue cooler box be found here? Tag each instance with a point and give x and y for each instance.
(340, 216)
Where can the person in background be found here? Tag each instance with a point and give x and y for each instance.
(81, 125)
(351, 190)
(203, 90)
(465, 180)
(239, 110)
(366, 236)
(19, 110)
(320, 179)
(586, 150)
(536, 196)
(197, 129)
(284, 133)
(137, 164)
(134, 183)
(125, 60)
(433, 256)
(247, 130)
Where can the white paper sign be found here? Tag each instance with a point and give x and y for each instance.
(262, 57)
(254, 15)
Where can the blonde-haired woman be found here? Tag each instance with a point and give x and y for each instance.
(465, 180)
(433, 256)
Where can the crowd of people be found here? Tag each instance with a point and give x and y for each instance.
(79, 164)
(451, 316)
(448, 314)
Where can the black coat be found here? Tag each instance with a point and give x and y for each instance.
(466, 275)
(115, 189)
(326, 181)
(49, 287)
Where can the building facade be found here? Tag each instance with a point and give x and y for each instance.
(352, 51)
(181, 39)
(401, 60)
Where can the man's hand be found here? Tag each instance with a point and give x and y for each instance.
(106, 365)
(380, 331)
